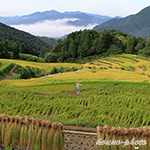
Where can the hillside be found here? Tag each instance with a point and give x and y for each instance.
(83, 46)
(135, 25)
(14, 35)
(49, 41)
(29, 69)
(83, 19)
(115, 91)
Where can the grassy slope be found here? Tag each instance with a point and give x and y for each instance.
(4, 62)
(101, 102)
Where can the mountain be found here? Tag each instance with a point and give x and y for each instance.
(83, 19)
(48, 40)
(13, 35)
(83, 46)
(136, 25)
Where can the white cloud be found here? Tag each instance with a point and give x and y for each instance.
(52, 28)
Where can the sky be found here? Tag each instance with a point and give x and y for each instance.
(110, 8)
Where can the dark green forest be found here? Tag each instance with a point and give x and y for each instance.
(82, 46)
(48, 40)
(78, 47)
(14, 35)
(12, 50)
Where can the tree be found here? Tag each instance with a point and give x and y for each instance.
(147, 53)
(23, 49)
(50, 57)
(131, 43)
(72, 50)
(16, 50)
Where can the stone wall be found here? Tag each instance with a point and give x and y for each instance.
(75, 140)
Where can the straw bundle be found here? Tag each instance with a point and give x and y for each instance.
(30, 132)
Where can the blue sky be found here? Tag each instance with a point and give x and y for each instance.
(103, 7)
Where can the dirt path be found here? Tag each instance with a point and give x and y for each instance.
(11, 75)
(56, 74)
(13, 68)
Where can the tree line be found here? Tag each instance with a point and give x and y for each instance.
(12, 50)
(13, 35)
(82, 46)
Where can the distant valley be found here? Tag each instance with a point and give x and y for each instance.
(57, 24)
(53, 23)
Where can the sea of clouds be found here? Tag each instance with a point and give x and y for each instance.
(52, 28)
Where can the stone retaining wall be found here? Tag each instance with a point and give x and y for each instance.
(75, 140)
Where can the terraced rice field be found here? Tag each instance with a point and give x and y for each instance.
(115, 91)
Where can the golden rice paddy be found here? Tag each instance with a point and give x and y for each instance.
(111, 68)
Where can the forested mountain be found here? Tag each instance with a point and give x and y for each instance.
(48, 40)
(136, 25)
(83, 19)
(82, 46)
(13, 35)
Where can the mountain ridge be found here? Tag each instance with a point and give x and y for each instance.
(14, 35)
(85, 18)
(136, 25)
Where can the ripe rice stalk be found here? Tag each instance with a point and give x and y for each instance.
(114, 132)
(38, 123)
(20, 120)
(38, 141)
(120, 132)
(43, 123)
(135, 134)
(48, 124)
(30, 135)
(33, 122)
(3, 132)
(16, 135)
(130, 138)
(5, 119)
(1, 124)
(37, 132)
(148, 142)
(58, 140)
(145, 137)
(8, 133)
(17, 120)
(108, 136)
(126, 133)
(59, 137)
(50, 136)
(34, 135)
(25, 142)
(22, 135)
(99, 136)
(44, 139)
(34, 132)
(121, 138)
(104, 135)
(27, 119)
